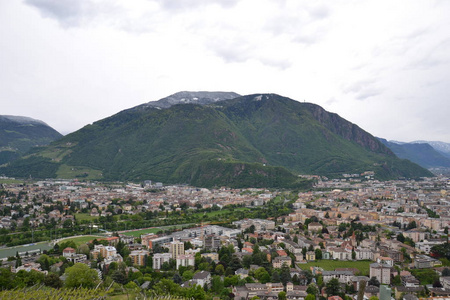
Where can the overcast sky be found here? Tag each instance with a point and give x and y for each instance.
(382, 64)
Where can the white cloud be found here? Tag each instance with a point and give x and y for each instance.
(380, 64)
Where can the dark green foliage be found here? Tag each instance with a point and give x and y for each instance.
(374, 281)
(441, 250)
(34, 166)
(256, 140)
(333, 287)
(425, 276)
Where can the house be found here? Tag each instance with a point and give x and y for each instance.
(363, 254)
(67, 252)
(310, 256)
(214, 256)
(315, 226)
(279, 261)
(202, 278)
(342, 276)
(241, 272)
(385, 260)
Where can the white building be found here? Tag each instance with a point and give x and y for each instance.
(185, 260)
(159, 259)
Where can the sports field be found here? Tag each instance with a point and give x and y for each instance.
(330, 265)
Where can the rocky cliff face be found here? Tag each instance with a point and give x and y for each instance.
(347, 130)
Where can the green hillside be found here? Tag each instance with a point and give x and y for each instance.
(256, 140)
(19, 134)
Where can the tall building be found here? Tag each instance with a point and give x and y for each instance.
(381, 271)
(159, 259)
(176, 249)
(138, 257)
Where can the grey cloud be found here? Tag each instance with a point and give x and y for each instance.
(276, 62)
(363, 89)
(435, 57)
(356, 87)
(71, 13)
(240, 51)
(307, 25)
(177, 5)
(319, 12)
(365, 94)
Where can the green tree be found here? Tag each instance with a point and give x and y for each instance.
(362, 288)
(53, 280)
(219, 270)
(312, 289)
(310, 297)
(318, 254)
(285, 274)
(262, 275)
(333, 288)
(282, 295)
(81, 275)
(396, 281)
(374, 281)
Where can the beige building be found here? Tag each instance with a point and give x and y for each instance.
(176, 248)
(382, 272)
(138, 257)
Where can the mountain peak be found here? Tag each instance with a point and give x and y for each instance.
(21, 120)
(185, 97)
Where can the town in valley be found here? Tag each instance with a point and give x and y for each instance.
(348, 238)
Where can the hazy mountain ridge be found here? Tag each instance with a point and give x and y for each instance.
(424, 154)
(254, 140)
(442, 147)
(18, 134)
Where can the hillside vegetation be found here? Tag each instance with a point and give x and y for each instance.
(256, 140)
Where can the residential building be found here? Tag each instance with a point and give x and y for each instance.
(382, 272)
(159, 259)
(176, 248)
(139, 257)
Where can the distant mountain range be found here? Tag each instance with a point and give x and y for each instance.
(18, 134)
(441, 147)
(261, 140)
(431, 155)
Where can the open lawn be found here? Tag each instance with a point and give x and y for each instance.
(84, 217)
(66, 171)
(138, 232)
(10, 181)
(217, 213)
(82, 239)
(330, 265)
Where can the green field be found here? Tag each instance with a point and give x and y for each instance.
(138, 232)
(84, 217)
(66, 171)
(10, 181)
(82, 239)
(221, 212)
(330, 265)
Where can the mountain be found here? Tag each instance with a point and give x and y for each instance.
(422, 154)
(189, 97)
(441, 147)
(18, 134)
(262, 140)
